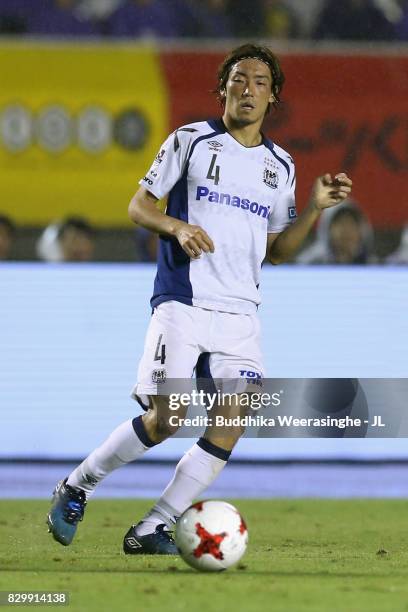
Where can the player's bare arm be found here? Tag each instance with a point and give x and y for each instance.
(326, 192)
(193, 239)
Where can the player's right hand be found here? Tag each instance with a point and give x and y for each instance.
(194, 240)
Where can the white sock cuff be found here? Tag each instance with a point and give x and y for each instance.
(196, 458)
(125, 443)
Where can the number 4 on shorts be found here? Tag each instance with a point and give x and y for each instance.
(160, 354)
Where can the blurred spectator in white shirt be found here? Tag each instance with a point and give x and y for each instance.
(400, 255)
(344, 236)
(73, 239)
(97, 9)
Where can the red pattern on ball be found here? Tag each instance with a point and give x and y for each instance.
(209, 543)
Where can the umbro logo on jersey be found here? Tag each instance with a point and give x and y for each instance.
(214, 145)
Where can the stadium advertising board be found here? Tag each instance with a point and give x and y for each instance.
(81, 124)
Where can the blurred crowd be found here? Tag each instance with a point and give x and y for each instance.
(361, 20)
(344, 236)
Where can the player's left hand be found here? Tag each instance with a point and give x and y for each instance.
(328, 191)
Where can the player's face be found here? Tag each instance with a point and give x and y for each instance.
(248, 91)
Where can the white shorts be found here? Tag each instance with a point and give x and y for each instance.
(182, 340)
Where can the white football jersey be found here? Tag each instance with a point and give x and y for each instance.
(237, 194)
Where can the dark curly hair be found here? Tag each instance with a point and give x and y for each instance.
(78, 223)
(249, 50)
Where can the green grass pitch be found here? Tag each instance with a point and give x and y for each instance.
(314, 555)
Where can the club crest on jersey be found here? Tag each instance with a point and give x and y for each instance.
(159, 376)
(214, 145)
(271, 178)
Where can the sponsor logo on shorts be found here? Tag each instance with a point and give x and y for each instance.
(159, 376)
(251, 376)
(292, 212)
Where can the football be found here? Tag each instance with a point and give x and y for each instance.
(211, 535)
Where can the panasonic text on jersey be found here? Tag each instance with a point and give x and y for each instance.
(232, 200)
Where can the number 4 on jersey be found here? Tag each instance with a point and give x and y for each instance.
(160, 354)
(215, 176)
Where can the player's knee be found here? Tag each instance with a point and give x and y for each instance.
(159, 427)
(227, 439)
(166, 425)
(160, 421)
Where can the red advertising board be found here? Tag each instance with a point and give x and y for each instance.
(340, 113)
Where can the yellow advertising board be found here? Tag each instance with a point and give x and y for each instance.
(80, 125)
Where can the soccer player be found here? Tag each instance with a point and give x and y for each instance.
(230, 202)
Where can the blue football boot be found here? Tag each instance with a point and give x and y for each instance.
(158, 543)
(68, 507)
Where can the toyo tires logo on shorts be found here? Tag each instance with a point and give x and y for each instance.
(55, 128)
